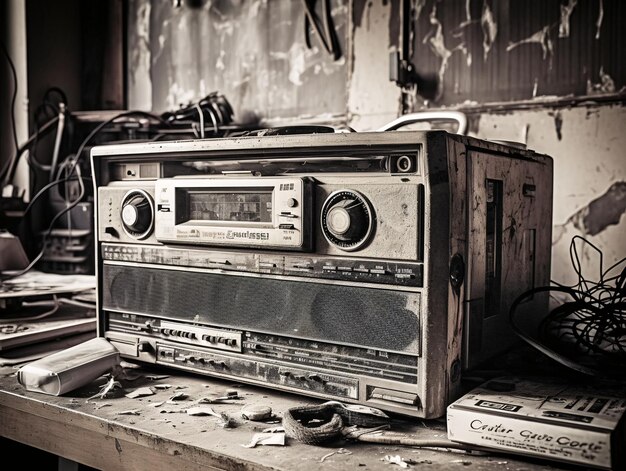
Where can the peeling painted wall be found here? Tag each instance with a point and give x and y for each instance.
(588, 145)
(539, 52)
(560, 50)
(501, 50)
(254, 52)
(372, 99)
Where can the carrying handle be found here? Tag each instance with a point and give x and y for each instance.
(411, 118)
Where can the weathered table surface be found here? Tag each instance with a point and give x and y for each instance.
(95, 433)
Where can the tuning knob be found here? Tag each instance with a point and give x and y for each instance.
(137, 214)
(347, 219)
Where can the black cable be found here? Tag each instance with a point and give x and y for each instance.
(589, 325)
(214, 107)
(58, 91)
(9, 172)
(102, 125)
(13, 99)
(50, 226)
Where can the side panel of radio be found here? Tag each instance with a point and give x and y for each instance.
(316, 264)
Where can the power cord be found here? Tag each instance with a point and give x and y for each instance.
(590, 325)
(13, 99)
(214, 108)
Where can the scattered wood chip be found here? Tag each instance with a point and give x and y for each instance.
(156, 377)
(106, 389)
(129, 412)
(220, 400)
(179, 396)
(157, 404)
(223, 419)
(162, 386)
(141, 392)
(100, 406)
(266, 439)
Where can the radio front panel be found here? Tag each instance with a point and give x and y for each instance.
(255, 212)
(334, 266)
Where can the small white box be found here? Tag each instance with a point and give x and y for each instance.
(553, 420)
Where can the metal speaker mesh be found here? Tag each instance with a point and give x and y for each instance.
(372, 318)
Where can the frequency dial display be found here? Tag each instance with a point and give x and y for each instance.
(137, 214)
(347, 219)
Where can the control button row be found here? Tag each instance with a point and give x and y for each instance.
(201, 360)
(216, 339)
(179, 333)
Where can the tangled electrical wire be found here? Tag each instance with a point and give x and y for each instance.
(587, 331)
(213, 108)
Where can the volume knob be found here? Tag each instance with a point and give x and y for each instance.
(137, 214)
(347, 219)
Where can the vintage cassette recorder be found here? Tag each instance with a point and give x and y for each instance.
(371, 268)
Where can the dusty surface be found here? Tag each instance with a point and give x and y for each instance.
(165, 427)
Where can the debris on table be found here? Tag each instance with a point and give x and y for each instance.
(273, 430)
(106, 389)
(230, 396)
(179, 396)
(397, 459)
(340, 451)
(256, 412)
(100, 406)
(201, 411)
(162, 386)
(156, 377)
(129, 412)
(266, 439)
(223, 419)
(141, 392)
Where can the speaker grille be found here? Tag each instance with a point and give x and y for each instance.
(373, 318)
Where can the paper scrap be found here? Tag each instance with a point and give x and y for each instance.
(266, 439)
(395, 460)
(141, 392)
(129, 412)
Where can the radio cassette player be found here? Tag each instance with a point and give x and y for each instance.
(371, 268)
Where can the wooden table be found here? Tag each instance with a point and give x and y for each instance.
(95, 433)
